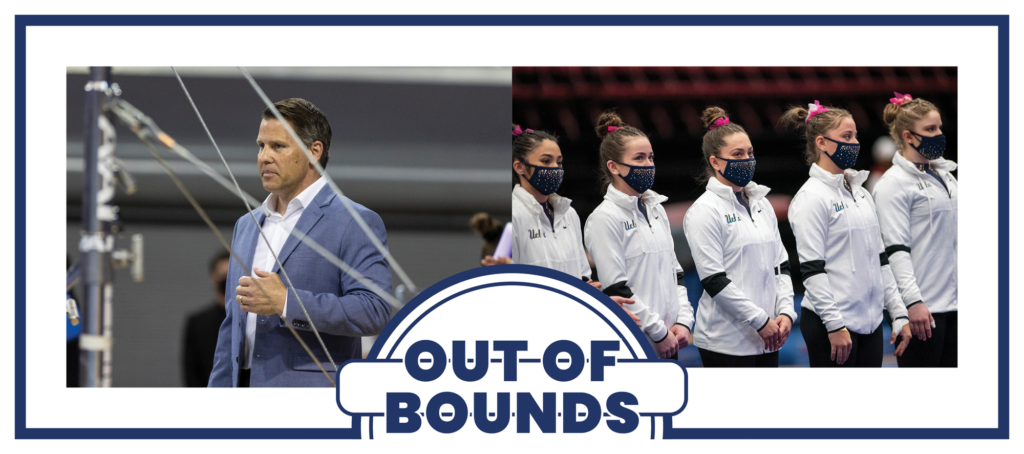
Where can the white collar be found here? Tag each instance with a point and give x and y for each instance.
(942, 164)
(300, 202)
(628, 202)
(855, 177)
(755, 192)
(558, 203)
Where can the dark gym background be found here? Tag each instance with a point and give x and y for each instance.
(666, 102)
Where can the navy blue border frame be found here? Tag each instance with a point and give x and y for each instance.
(1001, 22)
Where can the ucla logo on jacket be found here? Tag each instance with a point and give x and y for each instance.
(630, 225)
(840, 206)
(431, 373)
(730, 218)
(538, 233)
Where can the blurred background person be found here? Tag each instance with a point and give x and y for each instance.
(917, 212)
(200, 339)
(881, 152)
(488, 228)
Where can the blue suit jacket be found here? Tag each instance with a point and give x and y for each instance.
(340, 307)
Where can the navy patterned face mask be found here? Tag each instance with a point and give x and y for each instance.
(930, 147)
(545, 180)
(738, 171)
(640, 178)
(845, 155)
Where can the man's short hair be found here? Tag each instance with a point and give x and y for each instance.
(309, 122)
(222, 255)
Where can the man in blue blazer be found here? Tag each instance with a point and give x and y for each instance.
(254, 346)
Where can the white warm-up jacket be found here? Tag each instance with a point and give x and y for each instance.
(743, 268)
(538, 242)
(918, 218)
(636, 259)
(842, 260)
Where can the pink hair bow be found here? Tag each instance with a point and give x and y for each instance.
(814, 109)
(719, 123)
(517, 132)
(612, 128)
(900, 99)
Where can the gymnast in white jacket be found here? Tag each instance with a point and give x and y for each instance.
(917, 210)
(843, 263)
(629, 238)
(745, 313)
(546, 229)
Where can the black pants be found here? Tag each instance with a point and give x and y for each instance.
(866, 351)
(243, 377)
(712, 359)
(937, 351)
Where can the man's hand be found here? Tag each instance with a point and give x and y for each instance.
(667, 347)
(920, 321)
(254, 300)
(682, 334)
(489, 260)
(785, 326)
(596, 284)
(621, 302)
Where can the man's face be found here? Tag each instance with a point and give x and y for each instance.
(282, 164)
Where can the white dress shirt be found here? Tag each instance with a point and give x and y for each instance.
(277, 229)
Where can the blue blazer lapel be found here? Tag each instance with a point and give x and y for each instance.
(250, 238)
(310, 216)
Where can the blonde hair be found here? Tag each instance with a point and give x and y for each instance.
(613, 143)
(820, 125)
(714, 139)
(901, 117)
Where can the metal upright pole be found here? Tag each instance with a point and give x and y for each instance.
(95, 259)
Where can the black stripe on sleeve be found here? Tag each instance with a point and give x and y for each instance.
(915, 303)
(883, 259)
(896, 248)
(715, 283)
(810, 268)
(783, 268)
(618, 289)
(679, 278)
(837, 329)
(765, 324)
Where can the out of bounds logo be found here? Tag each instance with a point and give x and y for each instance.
(511, 350)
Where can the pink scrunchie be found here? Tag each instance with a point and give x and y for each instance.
(814, 109)
(517, 132)
(900, 99)
(719, 123)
